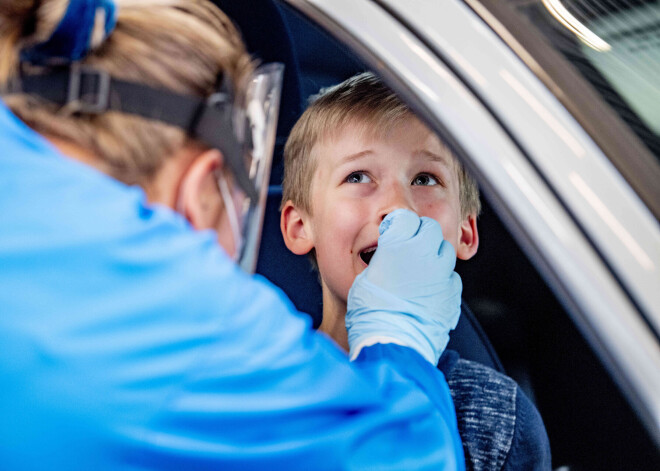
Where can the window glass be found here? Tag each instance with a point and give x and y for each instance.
(615, 45)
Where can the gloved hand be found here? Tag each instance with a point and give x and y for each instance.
(409, 294)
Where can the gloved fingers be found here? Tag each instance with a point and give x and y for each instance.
(429, 236)
(456, 286)
(426, 240)
(447, 255)
(398, 226)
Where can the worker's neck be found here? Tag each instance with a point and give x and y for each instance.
(78, 153)
(161, 188)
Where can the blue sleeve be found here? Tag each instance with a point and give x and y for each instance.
(420, 372)
(219, 373)
(284, 397)
(530, 447)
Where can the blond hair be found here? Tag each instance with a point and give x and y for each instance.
(365, 103)
(180, 45)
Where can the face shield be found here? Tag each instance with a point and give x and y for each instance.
(239, 121)
(254, 125)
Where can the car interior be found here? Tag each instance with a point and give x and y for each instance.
(514, 322)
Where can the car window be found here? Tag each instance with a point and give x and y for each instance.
(532, 332)
(601, 59)
(615, 45)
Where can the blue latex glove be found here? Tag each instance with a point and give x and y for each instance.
(409, 294)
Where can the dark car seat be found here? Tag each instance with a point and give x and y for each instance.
(318, 61)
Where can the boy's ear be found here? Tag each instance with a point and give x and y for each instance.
(468, 238)
(295, 230)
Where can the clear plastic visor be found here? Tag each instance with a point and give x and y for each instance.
(255, 126)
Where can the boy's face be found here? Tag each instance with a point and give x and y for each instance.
(360, 179)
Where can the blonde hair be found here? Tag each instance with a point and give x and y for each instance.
(362, 102)
(180, 45)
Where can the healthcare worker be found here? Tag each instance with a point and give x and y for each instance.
(135, 145)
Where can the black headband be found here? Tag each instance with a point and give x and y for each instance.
(86, 90)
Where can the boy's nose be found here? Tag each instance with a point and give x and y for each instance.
(395, 197)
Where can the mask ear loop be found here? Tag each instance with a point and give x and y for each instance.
(230, 207)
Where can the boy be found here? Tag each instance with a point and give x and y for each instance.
(357, 154)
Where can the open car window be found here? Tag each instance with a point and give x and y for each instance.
(531, 286)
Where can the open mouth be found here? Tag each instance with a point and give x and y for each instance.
(366, 254)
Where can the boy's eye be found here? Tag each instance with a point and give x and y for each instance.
(424, 179)
(358, 177)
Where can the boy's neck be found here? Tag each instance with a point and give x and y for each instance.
(334, 318)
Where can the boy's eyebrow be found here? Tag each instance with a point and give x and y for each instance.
(442, 159)
(357, 155)
(433, 156)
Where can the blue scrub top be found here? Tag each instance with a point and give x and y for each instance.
(131, 341)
